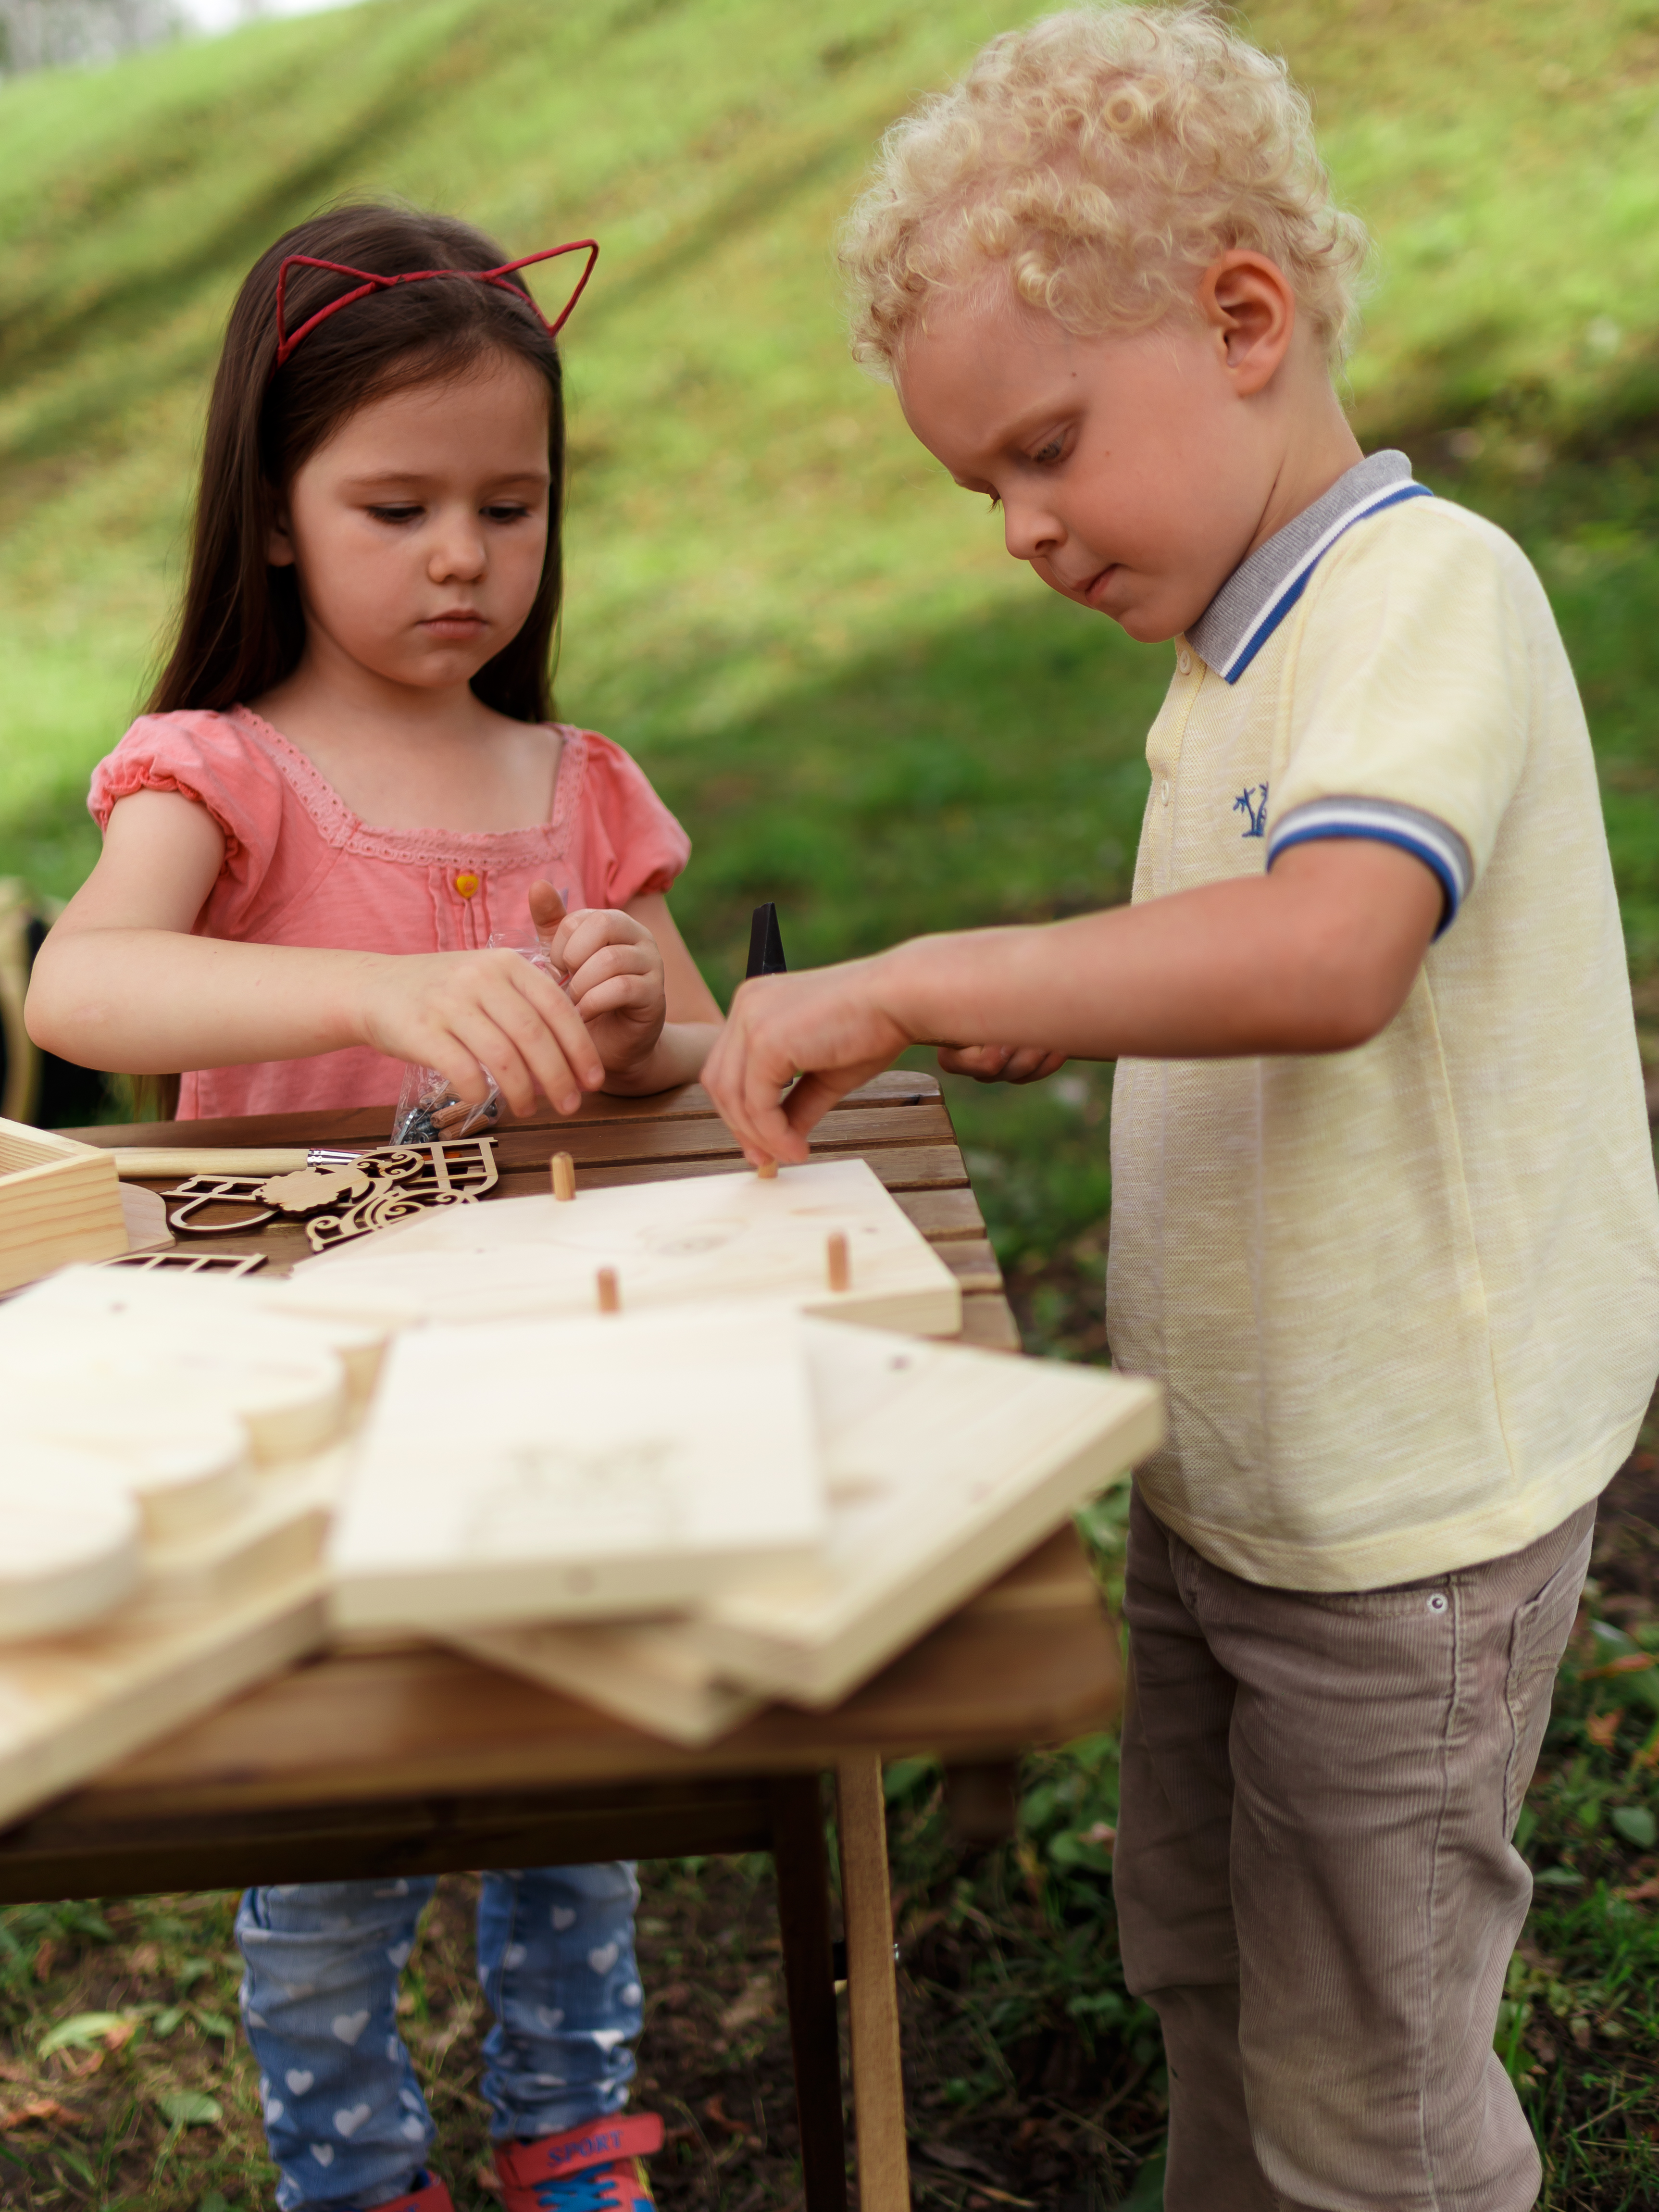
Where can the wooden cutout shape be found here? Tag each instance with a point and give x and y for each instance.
(713, 1237)
(90, 1335)
(145, 1214)
(227, 1266)
(70, 1549)
(577, 1469)
(368, 1193)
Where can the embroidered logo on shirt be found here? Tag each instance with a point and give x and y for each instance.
(1255, 810)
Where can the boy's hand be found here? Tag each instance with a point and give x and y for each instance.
(467, 1013)
(1001, 1063)
(614, 973)
(833, 1021)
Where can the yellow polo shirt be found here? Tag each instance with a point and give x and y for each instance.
(1405, 1299)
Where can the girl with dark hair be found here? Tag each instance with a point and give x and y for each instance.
(348, 785)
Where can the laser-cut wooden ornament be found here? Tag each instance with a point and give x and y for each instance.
(346, 1199)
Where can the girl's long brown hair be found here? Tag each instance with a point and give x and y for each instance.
(241, 630)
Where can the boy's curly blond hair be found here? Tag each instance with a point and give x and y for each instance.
(1101, 158)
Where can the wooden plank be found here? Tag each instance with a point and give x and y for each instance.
(945, 1466)
(988, 1320)
(972, 1263)
(942, 1214)
(668, 1243)
(871, 1986)
(588, 1490)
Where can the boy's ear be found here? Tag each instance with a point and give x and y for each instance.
(1249, 304)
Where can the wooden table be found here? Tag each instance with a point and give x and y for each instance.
(411, 1759)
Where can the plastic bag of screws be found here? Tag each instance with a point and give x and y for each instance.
(427, 1109)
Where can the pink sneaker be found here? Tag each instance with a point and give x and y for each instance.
(430, 2196)
(595, 2168)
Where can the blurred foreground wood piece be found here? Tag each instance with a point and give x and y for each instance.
(58, 1202)
(408, 1758)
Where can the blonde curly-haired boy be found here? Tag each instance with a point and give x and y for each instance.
(1384, 1218)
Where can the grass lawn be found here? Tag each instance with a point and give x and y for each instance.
(863, 710)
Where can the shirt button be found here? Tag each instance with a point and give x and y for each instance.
(1166, 791)
(1184, 661)
(466, 885)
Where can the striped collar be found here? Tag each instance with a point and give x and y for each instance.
(1264, 587)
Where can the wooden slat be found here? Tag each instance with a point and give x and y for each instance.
(370, 1124)
(973, 1263)
(988, 1320)
(942, 1214)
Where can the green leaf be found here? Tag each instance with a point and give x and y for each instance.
(191, 2108)
(1560, 1877)
(83, 2029)
(215, 2201)
(1636, 1825)
(214, 2023)
(168, 2017)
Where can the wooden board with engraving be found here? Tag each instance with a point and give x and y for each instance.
(579, 1469)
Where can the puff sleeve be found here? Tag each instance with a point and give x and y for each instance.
(634, 844)
(203, 758)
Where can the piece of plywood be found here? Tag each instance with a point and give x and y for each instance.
(944, 1465)
(59, 1200)
(578, 1470)
(734, 1237)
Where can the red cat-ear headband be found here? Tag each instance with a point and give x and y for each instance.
(368, 282)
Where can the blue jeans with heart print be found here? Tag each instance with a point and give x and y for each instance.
(344, 2116)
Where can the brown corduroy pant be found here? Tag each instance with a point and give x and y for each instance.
(1315, 1886)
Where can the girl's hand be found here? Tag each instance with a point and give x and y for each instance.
(1001, 1063)
(615, 972)
(465, 1013)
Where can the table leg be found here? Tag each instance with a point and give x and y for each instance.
(802, 1876)
(872, 1987)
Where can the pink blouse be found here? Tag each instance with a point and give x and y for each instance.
(299, 868)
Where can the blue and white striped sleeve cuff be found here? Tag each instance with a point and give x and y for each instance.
(1385, 822)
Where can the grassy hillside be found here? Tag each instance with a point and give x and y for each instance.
(815, 643)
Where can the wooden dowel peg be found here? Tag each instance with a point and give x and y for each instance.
(610, 1291)
(564, 1177)
(839, 1260)
(767, 1170)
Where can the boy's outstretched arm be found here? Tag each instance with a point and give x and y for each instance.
(1318, 955)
